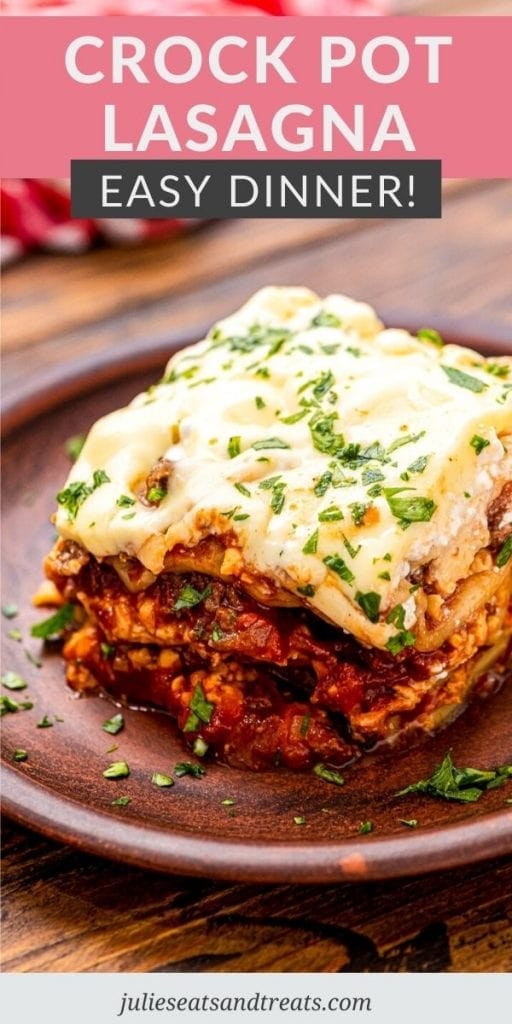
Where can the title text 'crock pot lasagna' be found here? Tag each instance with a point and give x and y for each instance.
(299, 541)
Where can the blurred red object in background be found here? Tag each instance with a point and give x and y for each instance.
(36, 213)
(196, 7)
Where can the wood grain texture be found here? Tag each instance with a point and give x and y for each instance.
(459, 7)
(448, 273)
(57, 294)
(66, 911)
(108, 281)
(74, 912)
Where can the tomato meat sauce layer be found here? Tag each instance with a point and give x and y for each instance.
(253, 685)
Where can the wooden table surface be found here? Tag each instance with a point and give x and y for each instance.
(67, 911)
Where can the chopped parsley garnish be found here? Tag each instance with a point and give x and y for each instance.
(278, 498)
(330, 515)
(429, 334)
(200, 747)
(322, 433)
(358, 510)
(234, 446)
(44, 723)
(260, 404)
(9, 610)
(8, 705)
(464, 380)
(496, 369)
(129, 515)
(384, 575)
(205, 380)
(12, 681)
(396, 617)
(306, 591)
(228, 802)
(371, 476)
(159, 779)
(99, 477)
(231, 512)
(328, 774)
(505, 553)
(409, 822)
(465, 785)
(124, 501)
(259, 334)
(418, 466)
(399, 641)
(311, 544)
(155, 495)
(370, 604)
(189, 597)
(365, 828)
(114, 725)
(269, 442)
(479, 443)
(295, 416)
(410, 509)
(243, 490)
(73, 496)
(304, 725)
(15, 634)
(407, 439)
(200, 710)
(350, 548)
(74, 446)
(240, 517)
(55, 625)
(187, 768)
(339, 478)
(506, 393)
(340, 567)
(185, 375)
(326, 319)
(269, 483)
(323, 384)
(299, 819)
(121, 801)
(107, 650)
(323, 484)
(20, 755)
(116, 770)
(217, 635)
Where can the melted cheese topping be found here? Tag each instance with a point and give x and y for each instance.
(336, 456)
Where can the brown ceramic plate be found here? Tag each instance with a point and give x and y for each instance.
(60, 789)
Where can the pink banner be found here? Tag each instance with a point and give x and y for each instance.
(289, 88)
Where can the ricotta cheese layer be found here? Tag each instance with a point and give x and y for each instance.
(334, 456)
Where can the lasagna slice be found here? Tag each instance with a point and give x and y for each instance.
(298, 541)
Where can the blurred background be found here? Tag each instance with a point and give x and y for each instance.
(35, 214)
(83, 293)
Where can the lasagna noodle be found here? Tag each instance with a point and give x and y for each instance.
(243, 653)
